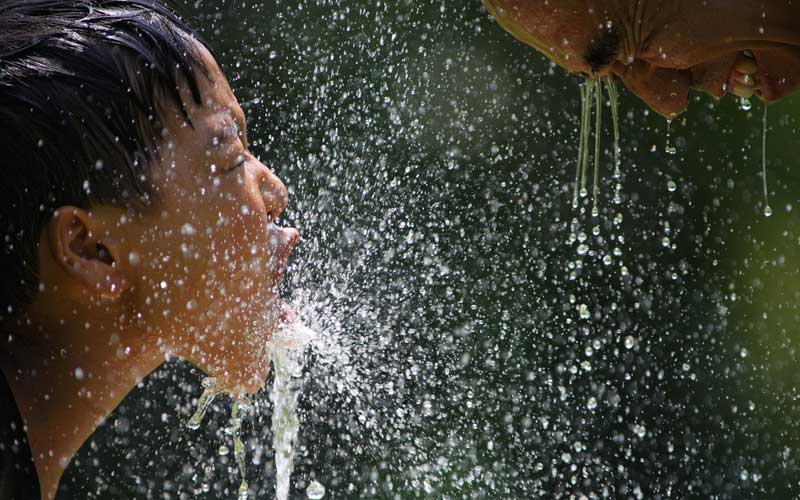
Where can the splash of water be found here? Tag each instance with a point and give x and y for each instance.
(287, 355)
(288, 360)
(240, 406)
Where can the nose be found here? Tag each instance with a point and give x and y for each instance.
(273, 192)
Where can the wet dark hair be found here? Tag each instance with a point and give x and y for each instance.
(82, 86)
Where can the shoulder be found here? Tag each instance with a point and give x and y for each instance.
(18, 478)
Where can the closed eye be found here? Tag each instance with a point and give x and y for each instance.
(239, 162)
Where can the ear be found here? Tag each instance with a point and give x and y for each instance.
(84, 254)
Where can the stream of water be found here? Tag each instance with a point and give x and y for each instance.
(287, 362)
(287, 354)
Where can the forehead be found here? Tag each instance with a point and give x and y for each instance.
(217, 102)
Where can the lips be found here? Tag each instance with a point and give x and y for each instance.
(280, 242)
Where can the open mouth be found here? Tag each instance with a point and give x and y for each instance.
(281, 241)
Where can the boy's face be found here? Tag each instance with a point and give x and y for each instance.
(664, 49)
(206, 261)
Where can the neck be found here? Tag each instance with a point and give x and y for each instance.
(65, 383)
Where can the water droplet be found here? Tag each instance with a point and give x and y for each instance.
(612, 95)
(582, 249)
(668, 147)
(315, 490)
(665, 241)
(583, 311)
(134, 259)
(745, 104)
(223, 450)
(607, 260)
(630, 342)
(671, 186)
(592, 403)
(767, 208)
(210, 392)
(242, 490)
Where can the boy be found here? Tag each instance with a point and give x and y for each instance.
(136, 224)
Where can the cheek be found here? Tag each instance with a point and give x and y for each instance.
(241, 224)
(207, 254)
(240, 239)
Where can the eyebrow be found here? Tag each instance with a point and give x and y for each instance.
(602, 49)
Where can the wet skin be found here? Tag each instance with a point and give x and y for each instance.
(662, 49)
(195, 275)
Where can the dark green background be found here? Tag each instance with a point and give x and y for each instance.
(429, 157)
